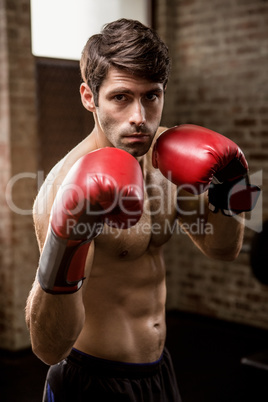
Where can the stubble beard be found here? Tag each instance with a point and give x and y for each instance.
(116, 137)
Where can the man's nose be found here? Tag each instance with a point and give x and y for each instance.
(137, 116)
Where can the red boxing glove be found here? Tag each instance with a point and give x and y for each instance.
(104, 186)
(197, 158)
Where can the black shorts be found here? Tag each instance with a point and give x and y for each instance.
(82, 377)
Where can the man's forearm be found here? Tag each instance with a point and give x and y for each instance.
(225, 240)
(223, 236)
(54, 323)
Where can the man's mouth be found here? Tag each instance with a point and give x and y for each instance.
(137, 137)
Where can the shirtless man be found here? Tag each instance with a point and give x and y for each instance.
(96, 311)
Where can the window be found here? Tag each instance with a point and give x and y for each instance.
(60, 28)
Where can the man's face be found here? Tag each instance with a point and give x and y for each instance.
(129, 111)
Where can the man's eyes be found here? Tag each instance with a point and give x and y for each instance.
(151, 96)
(120, 97)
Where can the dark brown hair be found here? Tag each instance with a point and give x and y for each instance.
(124, 44)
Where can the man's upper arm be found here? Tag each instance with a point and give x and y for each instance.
(44, 200)
(41, 213)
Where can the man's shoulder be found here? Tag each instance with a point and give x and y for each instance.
(58, 173)
(61, 169)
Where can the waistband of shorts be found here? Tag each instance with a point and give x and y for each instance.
(102, 367)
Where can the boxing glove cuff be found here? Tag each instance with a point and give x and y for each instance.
(232, 197)
(59, 272)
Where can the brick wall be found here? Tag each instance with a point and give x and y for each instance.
(18, 252)
(219, 80)
(5, 223)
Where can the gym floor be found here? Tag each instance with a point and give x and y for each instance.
(206, 353)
